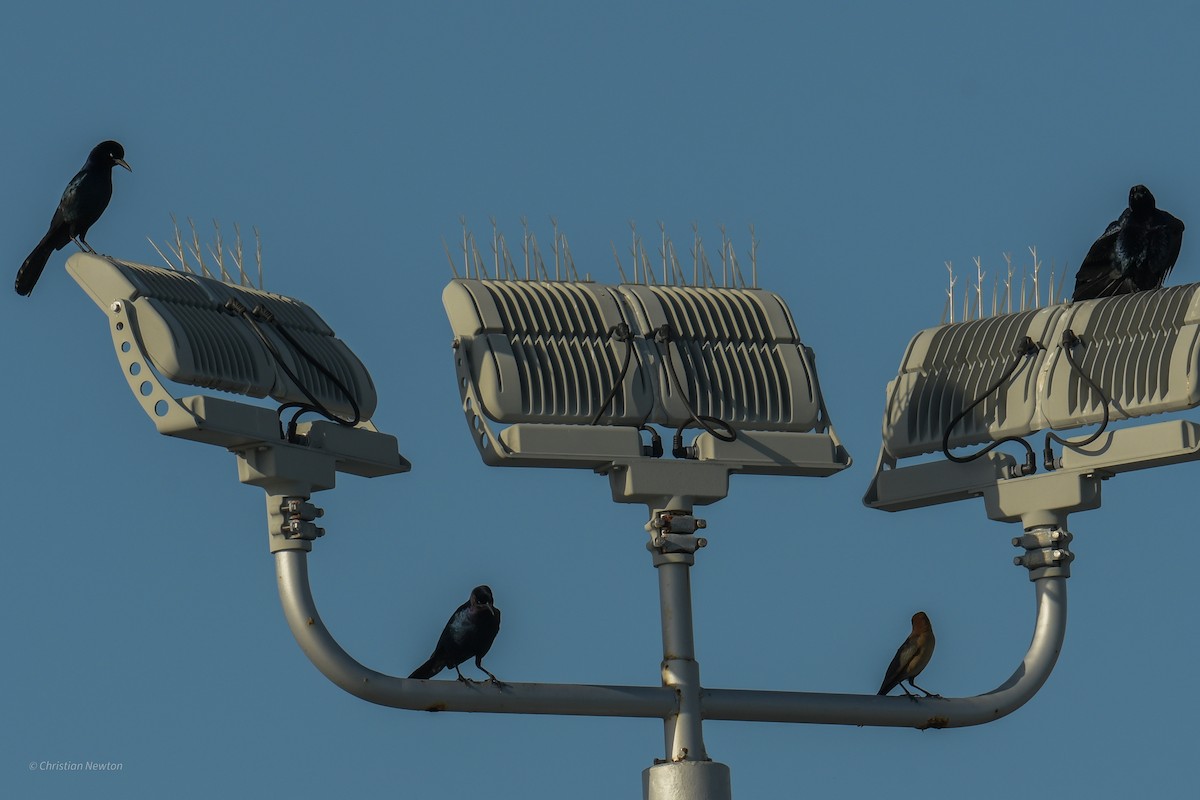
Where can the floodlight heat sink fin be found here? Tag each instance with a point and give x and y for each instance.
(191, 337)
(548, 359)
(947, 368)
(734, 355)
(543, 352)
(1141, 350)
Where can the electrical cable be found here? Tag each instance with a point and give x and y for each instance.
(656, 446)
(1026, 348)
(621, 333)
(1068, 342)
(264, 314)
(662, 336)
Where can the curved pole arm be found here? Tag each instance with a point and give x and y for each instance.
(660, 702)
(958, 712)
(327, 655)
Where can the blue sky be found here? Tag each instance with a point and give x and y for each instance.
(867, 144)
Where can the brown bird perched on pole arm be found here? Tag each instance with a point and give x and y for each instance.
(912, 657)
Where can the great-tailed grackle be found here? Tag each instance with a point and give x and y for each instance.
(470, 632)
(1135, 253)
(912, 657)
(82, 203)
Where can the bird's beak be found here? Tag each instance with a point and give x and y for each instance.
(490, 608)
(121, 161)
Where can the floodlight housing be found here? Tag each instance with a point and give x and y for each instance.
(191, 336)
(199, 331)
(542, 358)
(1142, 351)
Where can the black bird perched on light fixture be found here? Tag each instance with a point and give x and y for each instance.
(469, 633)
(82, 203)
(912, 657)
(1134, 254)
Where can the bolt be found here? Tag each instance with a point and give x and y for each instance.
(115, 307)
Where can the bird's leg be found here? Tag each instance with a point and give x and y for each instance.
(491, 677)
(909, 694)
(927, 694)
(83, 245)
(462, 677)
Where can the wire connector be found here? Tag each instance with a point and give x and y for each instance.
(1046, 552)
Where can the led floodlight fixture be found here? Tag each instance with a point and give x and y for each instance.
(207, 333)
(1051, 369)
(202, 332)
(574, 369)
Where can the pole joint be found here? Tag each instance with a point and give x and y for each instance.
(1047, 554)
(673, 536)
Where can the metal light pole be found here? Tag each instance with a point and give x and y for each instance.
(575, 374)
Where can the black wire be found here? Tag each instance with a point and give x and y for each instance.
(621, 333)
(1069, 341)
(656, 447)
(1027, 348)
(663, 336)
(263, 313)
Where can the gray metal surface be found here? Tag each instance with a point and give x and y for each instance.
(661, 702)
(1141, 350)
(563, 373)
(181, 324)
(687, 780)
(513, 698)
(900, 711)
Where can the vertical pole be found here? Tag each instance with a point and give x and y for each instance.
(687, 773)
(679, 668)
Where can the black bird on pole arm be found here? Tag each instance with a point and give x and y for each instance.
(82, 203)
(1135, 253)
(470, 632)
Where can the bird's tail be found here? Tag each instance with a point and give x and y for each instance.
(427, 670)
(31, 270)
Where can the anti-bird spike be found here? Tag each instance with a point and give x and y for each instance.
(525, 243)
(238, 255)
(453, 269)
(554, 225)
(495, 247)
(258, 256)
(462, 220)
(617, 258)
(1037, 266)
(950, 290)
(197, 251)
(1008, 282)
(160, 254)
(979, 273)
(753, 258)
(179, 248)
